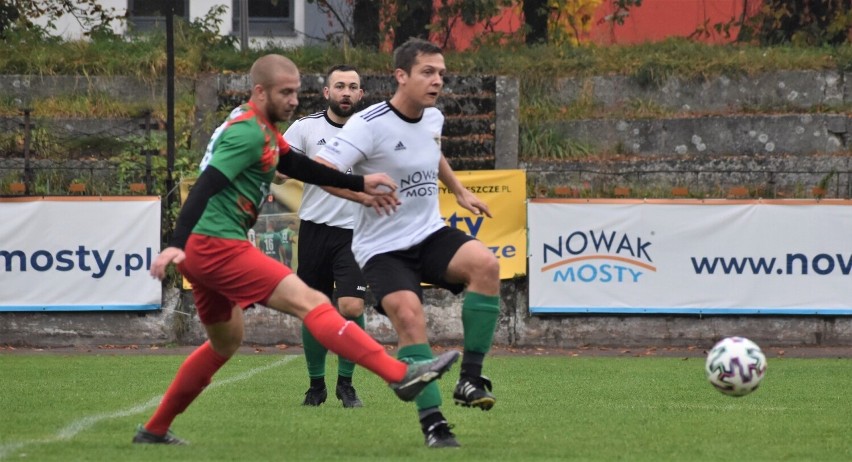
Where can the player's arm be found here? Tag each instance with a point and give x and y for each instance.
(302, 167)
(295, 141)
(209, 183)
(464, 197)
(383, 205)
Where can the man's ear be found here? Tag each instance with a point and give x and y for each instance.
(400, 75)
(259, 92)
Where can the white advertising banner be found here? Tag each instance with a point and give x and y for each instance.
(79, 254)
(690, 256)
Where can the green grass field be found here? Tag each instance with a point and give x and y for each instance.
(86, 407)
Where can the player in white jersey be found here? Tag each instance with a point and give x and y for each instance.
(326, 229)
(398, 252)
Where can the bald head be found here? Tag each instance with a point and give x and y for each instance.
(267, 69)
(275, 87)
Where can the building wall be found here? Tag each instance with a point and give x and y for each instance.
(655, 20)
(69, 28)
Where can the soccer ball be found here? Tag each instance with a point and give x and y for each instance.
(735, 366)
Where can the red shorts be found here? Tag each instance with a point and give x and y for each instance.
(228, 272)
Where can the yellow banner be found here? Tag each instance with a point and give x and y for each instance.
(505, 193)
(184, 186)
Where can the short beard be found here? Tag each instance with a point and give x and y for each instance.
(335, 108)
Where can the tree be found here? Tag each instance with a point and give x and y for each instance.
(365, 16)
(803, 22)
(21, 13)
(535, 19)
(414, 17)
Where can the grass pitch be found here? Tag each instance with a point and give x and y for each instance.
(86, 407)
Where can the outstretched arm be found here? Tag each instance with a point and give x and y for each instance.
(302, 167)
(383, 205)
(464, 197)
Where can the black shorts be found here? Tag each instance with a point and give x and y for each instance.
(326, 261)
(426, 262)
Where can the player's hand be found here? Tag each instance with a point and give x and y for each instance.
(383, 205)
(472, 203)
(378, 184)
(167, 256)
(280, 178)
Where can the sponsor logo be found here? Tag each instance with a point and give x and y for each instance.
(597, 256)
(419, 184)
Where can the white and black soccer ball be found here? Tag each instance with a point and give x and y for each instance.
(735, 366)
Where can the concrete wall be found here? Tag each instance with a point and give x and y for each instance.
(779, 134)
(177, 323)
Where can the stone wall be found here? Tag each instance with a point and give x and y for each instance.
(779, 134)
(177, 323)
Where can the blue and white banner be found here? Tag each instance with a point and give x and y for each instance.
(696, 257)
(79, 254)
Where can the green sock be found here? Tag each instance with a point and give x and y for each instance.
(314, 354)
(479, 318)
(345, 367)
(431, 395)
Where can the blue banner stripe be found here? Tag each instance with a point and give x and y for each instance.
(615, 310)
(150, 307)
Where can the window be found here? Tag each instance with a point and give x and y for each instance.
(266, 18)
(147, 15)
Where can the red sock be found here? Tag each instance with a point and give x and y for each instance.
(347, 339)
(192, 378)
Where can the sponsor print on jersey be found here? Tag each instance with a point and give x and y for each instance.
(419, 184)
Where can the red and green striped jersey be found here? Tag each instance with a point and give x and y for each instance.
(245, 149)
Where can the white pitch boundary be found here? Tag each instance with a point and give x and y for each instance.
(80, 425)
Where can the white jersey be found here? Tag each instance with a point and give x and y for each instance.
(380, 139)
(308, 135)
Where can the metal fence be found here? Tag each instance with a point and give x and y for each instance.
(54, 156)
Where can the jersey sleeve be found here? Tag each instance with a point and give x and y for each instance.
(295, 137)
(350, 146)
(240, 146)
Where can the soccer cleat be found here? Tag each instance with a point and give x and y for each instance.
(145, 437)
(315, 396)
(474, 392)
(423, 373)
(438, 435)
(346, 393)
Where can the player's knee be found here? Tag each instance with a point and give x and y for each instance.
(351, 307)
(491, 267)
(227, 347)
(484, 266)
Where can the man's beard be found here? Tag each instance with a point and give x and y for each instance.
(339, 112)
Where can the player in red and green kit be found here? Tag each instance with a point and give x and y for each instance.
(271, 242)
(229, 274)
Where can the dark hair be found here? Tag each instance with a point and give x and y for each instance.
(405, 55)
(340, 68)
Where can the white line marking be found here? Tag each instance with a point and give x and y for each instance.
(80, 425)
